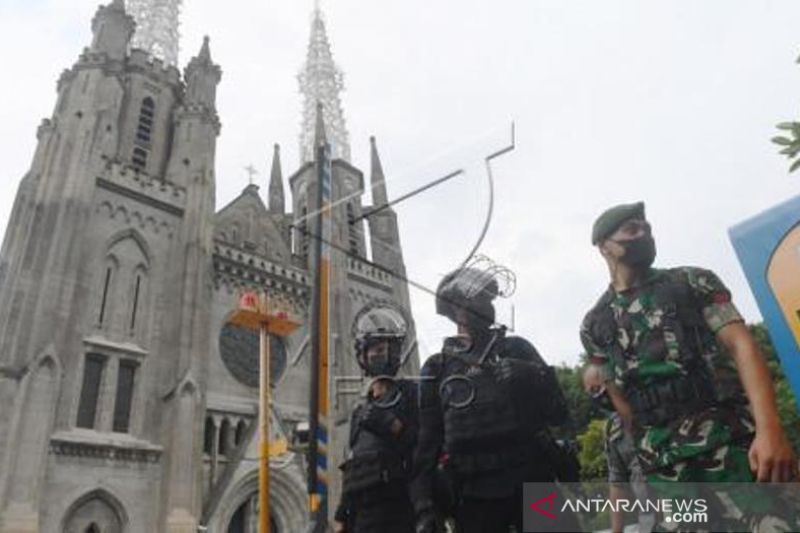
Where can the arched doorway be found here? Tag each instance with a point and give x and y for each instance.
(245, 519)
(94, 514)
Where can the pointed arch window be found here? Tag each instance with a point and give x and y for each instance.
(224, 437)
(352, 229)
(136, 290)
(124, 399)
(138, 297)
(109, 274)
(241, 427)
(139, 158)
(209, 433)
(144, 128)
(303, 231)
(90, 390)
(144, 133)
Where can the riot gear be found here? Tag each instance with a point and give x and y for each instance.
(465, 295)
(383, 428)
(470, 290)
(486, 421)
(485, 402)
(375, 476)
(380, 333)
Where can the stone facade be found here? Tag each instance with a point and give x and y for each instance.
(126, 401)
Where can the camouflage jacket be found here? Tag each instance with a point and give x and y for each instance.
(659, 329)
(665, 329)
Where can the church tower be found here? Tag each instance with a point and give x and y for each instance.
(127, 399)
(103, 263)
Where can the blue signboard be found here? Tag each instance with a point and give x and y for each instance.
(768, 246)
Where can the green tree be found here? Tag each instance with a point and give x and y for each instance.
(583, 425)
(789, 143)
(592, 451)
(789, 140)
(578, 403)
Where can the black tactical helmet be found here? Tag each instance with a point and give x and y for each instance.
(470, 289)
(375, 323)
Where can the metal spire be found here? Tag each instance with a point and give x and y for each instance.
(277, 200)
(321, 81)
(157, 28)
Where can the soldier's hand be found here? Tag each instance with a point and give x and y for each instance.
(771, 456)
(426, 522)
(339, 527)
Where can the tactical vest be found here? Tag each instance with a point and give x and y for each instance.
(690, 339)
(482, 431)
(376, 459)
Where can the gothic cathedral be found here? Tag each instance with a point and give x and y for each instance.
(127, 401)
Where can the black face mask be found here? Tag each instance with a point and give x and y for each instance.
(639, 253)
(382, 365)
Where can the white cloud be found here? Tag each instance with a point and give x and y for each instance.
(670, 102)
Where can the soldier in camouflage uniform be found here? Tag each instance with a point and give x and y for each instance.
(624, 468)
(654, 331)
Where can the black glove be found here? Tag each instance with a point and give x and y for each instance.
(426, 522)
(377, 419)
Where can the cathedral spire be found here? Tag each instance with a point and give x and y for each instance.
(202, 77)
(320, 136)
(277, 200)
(205, 51)
(321, 81)
(112, 28)
(157, 28)
(377, 179)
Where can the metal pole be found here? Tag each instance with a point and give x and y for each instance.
(263, 413)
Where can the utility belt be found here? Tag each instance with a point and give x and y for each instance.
(535, 449)
(668, 399)
(470, 464)
(371, 470)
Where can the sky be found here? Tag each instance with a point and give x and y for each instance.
(669, 102)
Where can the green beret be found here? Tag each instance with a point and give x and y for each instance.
(612, 219)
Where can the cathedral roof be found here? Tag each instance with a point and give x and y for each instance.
(246, 223)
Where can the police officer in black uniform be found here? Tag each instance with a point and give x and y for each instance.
(383, 431)
(485, 403)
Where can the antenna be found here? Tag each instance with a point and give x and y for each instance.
(157, 31)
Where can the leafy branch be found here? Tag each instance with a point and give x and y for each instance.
(790, 143)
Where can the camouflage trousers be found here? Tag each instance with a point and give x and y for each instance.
(705, 455)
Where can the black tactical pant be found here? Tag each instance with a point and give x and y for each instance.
(477, 511)
(385, 509)
(489, 516)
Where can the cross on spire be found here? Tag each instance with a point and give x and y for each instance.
(251, 171)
